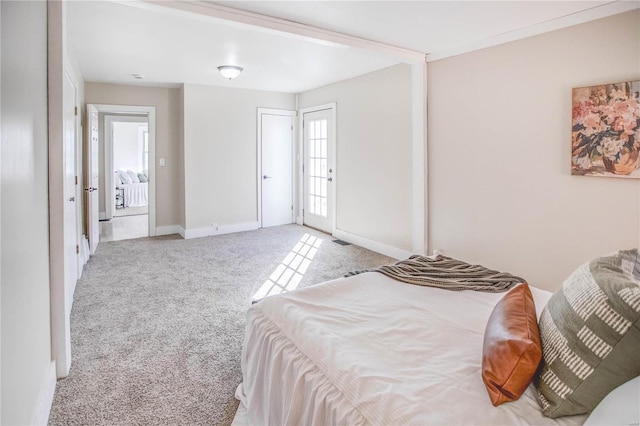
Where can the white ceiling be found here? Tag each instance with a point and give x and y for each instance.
(114, 40)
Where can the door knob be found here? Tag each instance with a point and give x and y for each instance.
(330, 179)
(90, 189)
(266, 177)
(72, 199)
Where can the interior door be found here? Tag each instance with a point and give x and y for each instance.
(91, 179)
(277, 169)
(318, 170)
(70, 219)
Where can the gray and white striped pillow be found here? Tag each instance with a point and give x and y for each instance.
(590, 332)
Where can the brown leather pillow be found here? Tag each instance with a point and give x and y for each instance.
(512, 351)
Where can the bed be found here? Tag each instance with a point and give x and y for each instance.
(368, 349)
(134, 186)
(135, 194)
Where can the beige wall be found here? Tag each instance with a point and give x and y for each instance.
(374, 143)
(499, 127)
(166, 102)
(25, 314)
(220, 154)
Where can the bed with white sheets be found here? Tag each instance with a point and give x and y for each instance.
(371, 350)
(134, 186)
(135, 194)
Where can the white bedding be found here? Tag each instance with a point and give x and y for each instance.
(136, 194)
(371, 350)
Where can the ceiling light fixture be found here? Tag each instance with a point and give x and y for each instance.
(230, 71)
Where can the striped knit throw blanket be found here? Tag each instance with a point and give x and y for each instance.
(446, 273)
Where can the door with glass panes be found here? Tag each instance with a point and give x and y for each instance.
(318, 170)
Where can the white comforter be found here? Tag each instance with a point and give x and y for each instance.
(136, 194)
(371, 350)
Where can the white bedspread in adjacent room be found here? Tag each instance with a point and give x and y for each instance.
(136, 194)
(371, 350)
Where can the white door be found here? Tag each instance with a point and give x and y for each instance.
(70, 219)
(91, 179)
(319, 170)
(276, 178)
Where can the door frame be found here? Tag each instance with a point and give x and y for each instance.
(300, 156)
(108, 178)
(283, 112)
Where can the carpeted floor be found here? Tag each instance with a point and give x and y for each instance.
(157, 324)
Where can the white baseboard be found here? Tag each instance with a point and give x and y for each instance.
(168, 230)
(46, 396)
(381, 248)
(222, 229)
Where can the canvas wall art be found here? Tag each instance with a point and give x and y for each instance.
(605, 138)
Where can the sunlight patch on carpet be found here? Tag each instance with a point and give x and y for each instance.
(288, 274)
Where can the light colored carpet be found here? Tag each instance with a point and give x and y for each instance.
(157, 324)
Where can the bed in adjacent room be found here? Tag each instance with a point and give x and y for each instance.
(369, 349)
(134, 186)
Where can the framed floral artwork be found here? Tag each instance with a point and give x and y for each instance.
(605, 130)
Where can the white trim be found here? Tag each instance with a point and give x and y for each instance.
(333, 106)
(102, 216)
(418, 155)
(272, 25)
(60, 326)
(45, 400)
(222, 229)
(381, 248)
(280, 112)
(151, 113)
(169, 230)
(597, 12)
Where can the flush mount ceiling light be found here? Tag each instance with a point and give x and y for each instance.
(230, 71)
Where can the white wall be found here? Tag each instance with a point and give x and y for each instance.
(499, 183)
(25, 317)
(166, 102)
(374, 145)
(220, 156)
(127, 146)
(180, 204)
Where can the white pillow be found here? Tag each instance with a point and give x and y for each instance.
(134, 176)
(118, 181)
(620, 407)
(124, 177)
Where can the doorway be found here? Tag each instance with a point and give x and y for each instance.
(127, 142)
(275, 167)
(319, 168)
(126, 202)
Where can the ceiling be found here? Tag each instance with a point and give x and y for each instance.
(172, 43)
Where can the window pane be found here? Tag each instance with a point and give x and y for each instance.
(323, 149)
(323, 168)
(323, 129)
(323, 208)
(312, 186)
(312, 167)
(323, 188)
(312, 148)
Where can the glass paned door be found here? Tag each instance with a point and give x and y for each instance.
(318, 170)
